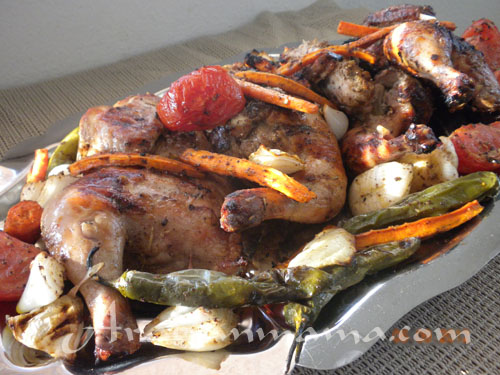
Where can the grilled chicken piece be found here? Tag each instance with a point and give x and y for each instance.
(341, 80)
(467, 59)
(306, 136)
(131, 125)
(398, 13)
(140, 220)
(363, 148)
(399, 100)
(424, 49)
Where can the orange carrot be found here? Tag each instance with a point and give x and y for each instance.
(277, 98)
(286, 84)
(243, 168)
(39, 168)
(133, 160)
(353, 29)
(421, 228)
(23, 221)
(344, 50)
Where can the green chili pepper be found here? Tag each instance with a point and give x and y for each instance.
(433, 201)
(212, 289)
(300, 316)
(65, 152)
(366, 262)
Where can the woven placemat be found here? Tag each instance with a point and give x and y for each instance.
(29, 111)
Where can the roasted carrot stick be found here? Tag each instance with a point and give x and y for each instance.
(39, 168)
(133, 160)
(353, 29)
(243, 168)
(277, 98)
(421, 228)
(344, 50)
(286, 84)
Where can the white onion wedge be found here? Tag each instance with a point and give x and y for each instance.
(192, 329)
(380, 187)
(336, 120)
(42, 191)
(430, 169)
(55, 328)
(45, 283)
(277, 159)
(332, 246)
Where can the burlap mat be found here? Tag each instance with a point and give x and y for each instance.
(29, 111)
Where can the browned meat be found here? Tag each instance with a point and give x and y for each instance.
(131, 125)
(467, 59)
(364, 148)
(398, 13)
(307, 136)
(399, 100)
(424, 49)
(140, 220)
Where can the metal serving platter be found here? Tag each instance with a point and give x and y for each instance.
(369, 308)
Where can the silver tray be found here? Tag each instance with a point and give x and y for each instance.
(368, 309)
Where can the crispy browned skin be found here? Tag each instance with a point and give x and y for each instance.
(363, 148)
(307, 136)
(140, 220)
(467, 59)
(424, 49)
(131, 125)
(396, 14)
(398, 101)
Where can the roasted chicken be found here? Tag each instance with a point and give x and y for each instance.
(306, 136)
(141, 220)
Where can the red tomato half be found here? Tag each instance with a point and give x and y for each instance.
(201, 100)
(15, 259)
(477, 147)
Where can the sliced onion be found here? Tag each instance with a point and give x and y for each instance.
(19, 354)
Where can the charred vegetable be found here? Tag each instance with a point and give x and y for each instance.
(55, 328)
(194, 329)
(433, 201)
(65, 153)
(212, 289)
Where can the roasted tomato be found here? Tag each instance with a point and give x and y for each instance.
(477, 147)
(15, 259)
(201, 100)
(484, 35)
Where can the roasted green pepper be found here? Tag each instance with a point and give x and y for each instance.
(65, 152)
(212, 289)
(300, 316)
(365, 262)
(433, 201)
